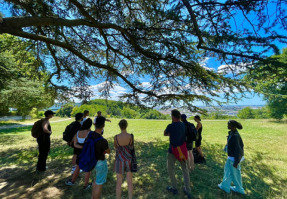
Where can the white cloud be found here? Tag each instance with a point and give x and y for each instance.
(203, 63)
(232, 69)
(115, 91)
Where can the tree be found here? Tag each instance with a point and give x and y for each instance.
(271, 81)
(162, 41)
(66, 110)
(246, 113)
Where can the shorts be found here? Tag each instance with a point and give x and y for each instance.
(189, 146)
(101, 172)
(77, 151)
(198, 142)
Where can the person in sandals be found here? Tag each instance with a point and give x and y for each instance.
(123, 143)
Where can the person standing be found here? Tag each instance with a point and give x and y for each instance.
(101, 168)
(197, 119)
(86, 115)
(44, 141)
(177, 138)
(235, 151)
(123, 144)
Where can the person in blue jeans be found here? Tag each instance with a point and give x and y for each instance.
(101, 169)
(235, 151)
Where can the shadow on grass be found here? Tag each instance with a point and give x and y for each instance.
(16, 130)
(7, 123)
(20, 180)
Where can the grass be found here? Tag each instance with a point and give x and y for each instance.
(264, 170)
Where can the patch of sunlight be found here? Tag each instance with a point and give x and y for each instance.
(3, 184)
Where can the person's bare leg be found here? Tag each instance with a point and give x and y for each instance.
(74, 160)
(199, 151)
(190, 160)
(119, 185)
(97, 191)
(75, 174)
(130, 184)
(87, 178)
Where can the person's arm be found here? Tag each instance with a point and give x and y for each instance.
(45, 127)
(108, 151)
(198, 126)
(115, 142)
(234, 141)
(166, 133)
(76, 142)
(108, 120)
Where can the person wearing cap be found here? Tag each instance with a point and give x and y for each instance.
(44, 141)
(235, 151)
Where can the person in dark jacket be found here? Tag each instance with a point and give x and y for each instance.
(235, 151)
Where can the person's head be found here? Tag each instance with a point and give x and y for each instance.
(197, 118)
(183, 118)
(175, 115)
(86, 113)
(87, 124)
(99, 113)
(233, 125)
(123, 124)
(100, 122)
(49, 114)
(79, 116)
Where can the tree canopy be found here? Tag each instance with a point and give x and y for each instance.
(162, 42)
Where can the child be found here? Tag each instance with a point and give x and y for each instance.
(232, 169)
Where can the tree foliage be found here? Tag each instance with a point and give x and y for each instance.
(271, 81)
(160, 42)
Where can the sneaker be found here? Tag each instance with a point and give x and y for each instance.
(81, 170)
(187, 193)
(69, 182)
(87, 187)
(172, 190)
(233, 188)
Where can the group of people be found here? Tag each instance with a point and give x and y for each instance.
(181, 134)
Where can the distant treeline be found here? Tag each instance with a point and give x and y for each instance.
(110, 108)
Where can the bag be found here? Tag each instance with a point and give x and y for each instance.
(37, 128)
(68, 134)
(87, 158)
(134, 164)
(180, 152)
(191, 132)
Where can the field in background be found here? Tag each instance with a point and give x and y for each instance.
(264, 170)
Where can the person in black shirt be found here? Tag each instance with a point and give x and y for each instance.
(197, 119)
(235, 151)
(44, 141)
(101, 168)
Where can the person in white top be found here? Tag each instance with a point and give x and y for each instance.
(99, 113)
(86, 115)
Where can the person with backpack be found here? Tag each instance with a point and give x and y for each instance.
(86, 115)
(197, 119)
(177, 151)
(123, 144)
(190, 138)
(235, 151)
(69, 134)
(101, 147)
(79, 140)
(43, 140)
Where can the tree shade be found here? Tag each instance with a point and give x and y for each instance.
(162, 42)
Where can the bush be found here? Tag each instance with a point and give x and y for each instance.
(65, 111)
(246, 113)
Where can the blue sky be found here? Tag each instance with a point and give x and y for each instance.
(252, 98)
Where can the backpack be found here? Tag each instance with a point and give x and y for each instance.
(191, 132)
(87, 158)
(37, 128)
(180, 152)
(68, 133)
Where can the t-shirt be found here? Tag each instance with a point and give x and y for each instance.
(100, 147)
(95, 119)
(177, 135)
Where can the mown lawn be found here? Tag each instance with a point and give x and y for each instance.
(264, 170)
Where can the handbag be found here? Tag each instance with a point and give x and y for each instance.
(134, 164)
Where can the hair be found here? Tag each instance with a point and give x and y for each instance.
(48, 112)
(175, 113)
(197, 117)
(79, 116)
(100, 122)
(235, 124)
(86, 111)
(87, 124)
(99, 112)
(123, 124)
(183, 117)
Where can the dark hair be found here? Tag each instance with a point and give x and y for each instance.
(235, 124)
(86, 111)
(79, 116)
(48, 112)
(100, 122)
(197, 117)
(175, 113)
(99, 112)
(183, 117)
(123, 124)
(87, 124)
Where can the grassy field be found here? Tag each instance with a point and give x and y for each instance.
(264, 170)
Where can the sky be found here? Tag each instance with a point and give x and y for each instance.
(251, 99)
